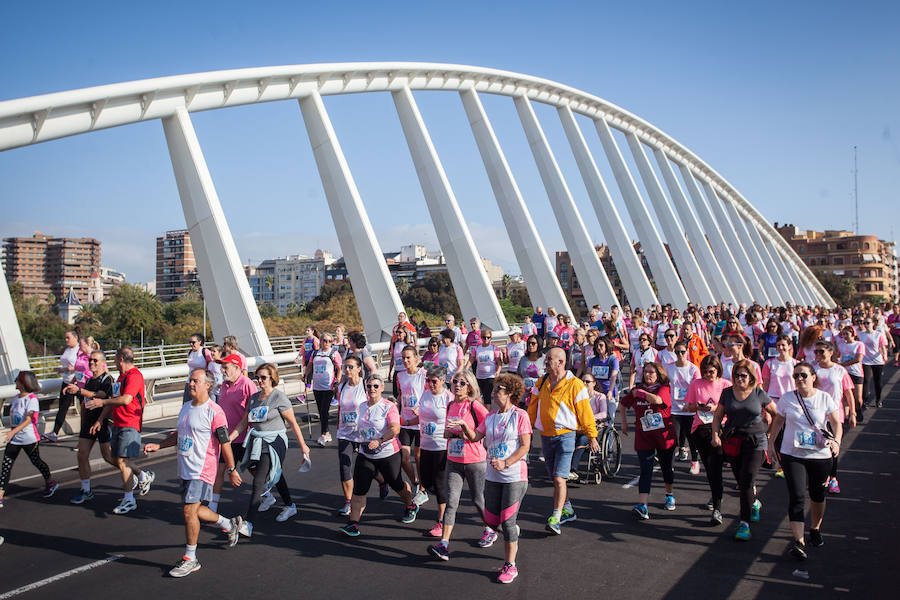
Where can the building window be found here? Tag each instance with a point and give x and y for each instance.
(838, 260)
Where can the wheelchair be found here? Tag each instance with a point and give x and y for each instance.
(608, 461)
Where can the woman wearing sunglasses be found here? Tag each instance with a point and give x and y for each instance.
(379, 452)
(768, 339)
(681, 373)
(744, 438)
(808, 450)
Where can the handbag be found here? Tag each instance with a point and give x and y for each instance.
(731, 445)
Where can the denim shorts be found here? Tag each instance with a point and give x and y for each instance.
(557, 451)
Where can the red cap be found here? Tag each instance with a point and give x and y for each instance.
(231, 358)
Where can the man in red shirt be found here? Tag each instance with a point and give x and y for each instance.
(127, 409)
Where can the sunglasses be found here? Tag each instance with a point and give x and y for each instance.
(670, 335)
(741, 375)
(801, 375)
(820, 350)
(93, 360)
(434, 381)
(263, 377)
(681, 352)
(373, 386)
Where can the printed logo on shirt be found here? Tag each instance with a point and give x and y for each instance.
(349, 417)
(600, 371)
(456, 448)
(258, 414)
(185, 444)
(498, 450)
(429, 429)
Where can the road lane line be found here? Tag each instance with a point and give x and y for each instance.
(55, 578)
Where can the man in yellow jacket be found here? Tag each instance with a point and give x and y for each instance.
(559, 407)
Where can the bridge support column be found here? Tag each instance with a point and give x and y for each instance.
(374, 289)
(540, 279)
(232, 310)
(470, 283)
(782, 294)
(762, 267)
(12, 347)
(793, 291)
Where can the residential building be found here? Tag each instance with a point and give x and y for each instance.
(870, 263)
(45, 265)
(289, 281)
(176, 268)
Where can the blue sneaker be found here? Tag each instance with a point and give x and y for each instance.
(743, 532)
(553, 526)
(754, 511)
(568, 514)
(670, 502)
(82, 497)
(351, 529)
(640, 512)
(409, 515)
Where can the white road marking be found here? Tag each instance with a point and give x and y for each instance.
(634, 481)
(55, 578)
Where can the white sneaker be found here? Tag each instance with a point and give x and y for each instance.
(420, 498)
(286, 513)
(125, 506)
(246, 529)
(268, 501)
(321, 441)
(145, 483)
(51, 437)
(328, 438)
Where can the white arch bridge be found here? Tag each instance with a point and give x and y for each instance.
(724, 248)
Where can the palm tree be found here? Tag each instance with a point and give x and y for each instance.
(292, 309)
(505, 284)
(89, 315)
(270, 283)
(403, 286)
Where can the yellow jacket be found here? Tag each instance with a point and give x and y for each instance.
(566, 408)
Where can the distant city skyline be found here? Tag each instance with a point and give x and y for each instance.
(773, 97)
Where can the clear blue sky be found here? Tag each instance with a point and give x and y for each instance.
(773, 95)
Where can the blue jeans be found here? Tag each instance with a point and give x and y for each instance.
(581, 445)
(557, 451)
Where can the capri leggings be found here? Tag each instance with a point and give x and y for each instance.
(745, 466)
(645, 458)
(471, 473)
(872, 380)
(713, 460)
(365, 469)
(323, 403)
(65, 403)
(682, 425)
(800, 473)
(260, 470)
(433, 473)
(12, 453)
(501, 505)
(486, 387)
(346, 449)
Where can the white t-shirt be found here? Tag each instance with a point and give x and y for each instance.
(501, 438)
(873, 343)
(198, 447)
(432, 420)
(666, 357)
(448, 357)
(325, 369)
(833, 381)
(799, 435)
(351, 398)
(780, 375)
(68, 358)
(412, 388)
(486, 360)
(18, 410)
(514, 351)
(373, 422)
(848, 352)
(679, 380)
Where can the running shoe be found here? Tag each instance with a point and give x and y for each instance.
(268, 501)
(286, 513)
(82, 497)
(508, 572)
(344, 510)
(234, 532)
(1, 540)
(670, 502)
(420, 498)
(321, 441)
(683, 454)
(246, 529)
(185, 567)
(553, 526)
(640, 512)
(710, 505)
(879, 404)
(383, 490)
(125, 506)
(1, 502)
(541, 458)
(351, 529)
(437, 531)
(568, 514)
(487, 538)
(573, 476)
(798, 550)
(754, 511)
(833, 487)
(695, 467)
(328, 437)
(716, 517)
(409, 515)
(743, 532)
(779, 473)
(815, 538)
(134, 482)
(439, 551)
(50, 488)
(146, 482)
(51, 437)
(334, 402)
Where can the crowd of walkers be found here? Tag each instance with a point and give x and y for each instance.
(752, 387)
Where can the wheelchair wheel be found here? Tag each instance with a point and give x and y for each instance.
(610, 452)
(595, 468)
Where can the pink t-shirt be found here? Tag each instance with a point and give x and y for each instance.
(566, 335)
(780, 375)
(82, 369)
(198, 447)
(487, 360)
(461, 450)
(701, 391)
(233, 399)
(374, 421)
(834, 381)
(599, 406)
(501, 438)
(473, 338)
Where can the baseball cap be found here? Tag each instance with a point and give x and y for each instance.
(231, 358)
(553, 334)
(515, 330)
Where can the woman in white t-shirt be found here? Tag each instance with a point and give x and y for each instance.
(67, 371)
(199, 357)
(876, 346)
(851, 352)
(833, 379)
(645, 353)
(807, 452)
(681, 373)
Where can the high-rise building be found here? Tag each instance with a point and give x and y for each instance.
(290, 280)
(870, 263)
(176, 269)
(45, 265)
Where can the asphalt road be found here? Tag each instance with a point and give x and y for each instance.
(674, 555)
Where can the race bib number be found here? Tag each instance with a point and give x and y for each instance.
(370, 434)
(349, 418)
(79, 375)
(705, 417)
(17, 420)
(806, 440)
(528, 382)
(320, 369)
(185, 444)
(498, 450)
(258, 414)
(412, 401)
(680, 393)
(772, 353)
(429, 429)
(456, 448)
(652, 422)
(486, 356)
(600, 372)
(117, 387)
(846, 358)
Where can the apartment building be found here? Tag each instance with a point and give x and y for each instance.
(44, 265)
(176, 268)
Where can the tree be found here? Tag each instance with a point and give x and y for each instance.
(270, 282)
(89, 316)
(128, 311)
(403, 286)
(505, 284)
(267, 310)
(434, 294)
(292, 309)
(841, 289)
(519, 296)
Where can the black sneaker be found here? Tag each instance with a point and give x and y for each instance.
(798, 550)
(351, 529)
(383, 490)
(815, 538)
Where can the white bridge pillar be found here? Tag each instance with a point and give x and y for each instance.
(793, 294)
(232, 310)
(631, 273)
(592, 277)
(762, 267)
(12, 347)
(473, 290)
(688, 268)
(540, 278)
(781, 293)
(374, 289)
(661, 267)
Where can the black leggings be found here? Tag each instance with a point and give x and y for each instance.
(645, 458)
(872, 375)
(260, 474)
(682, 424)
(745, 466)
(323, 403)
(804, 474)
(713, 460)
(486, 387)
(12, 453)
(65, 403)
(365, 469)
(433, 473)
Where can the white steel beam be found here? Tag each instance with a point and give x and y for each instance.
(540, 279)
(793, 294)
(695, 237)
(781, 292)
(806, 296)
(716, 240)
(661, 267)
(473, 290)
(232, 310)
(375, 292)
(762, 267)
(12, 348)
(591, 275)
(688, 268)
(628, 266)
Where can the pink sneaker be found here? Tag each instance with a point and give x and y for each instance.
(437, 531)
(833, 487)
(695, 467)
(508, 572)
